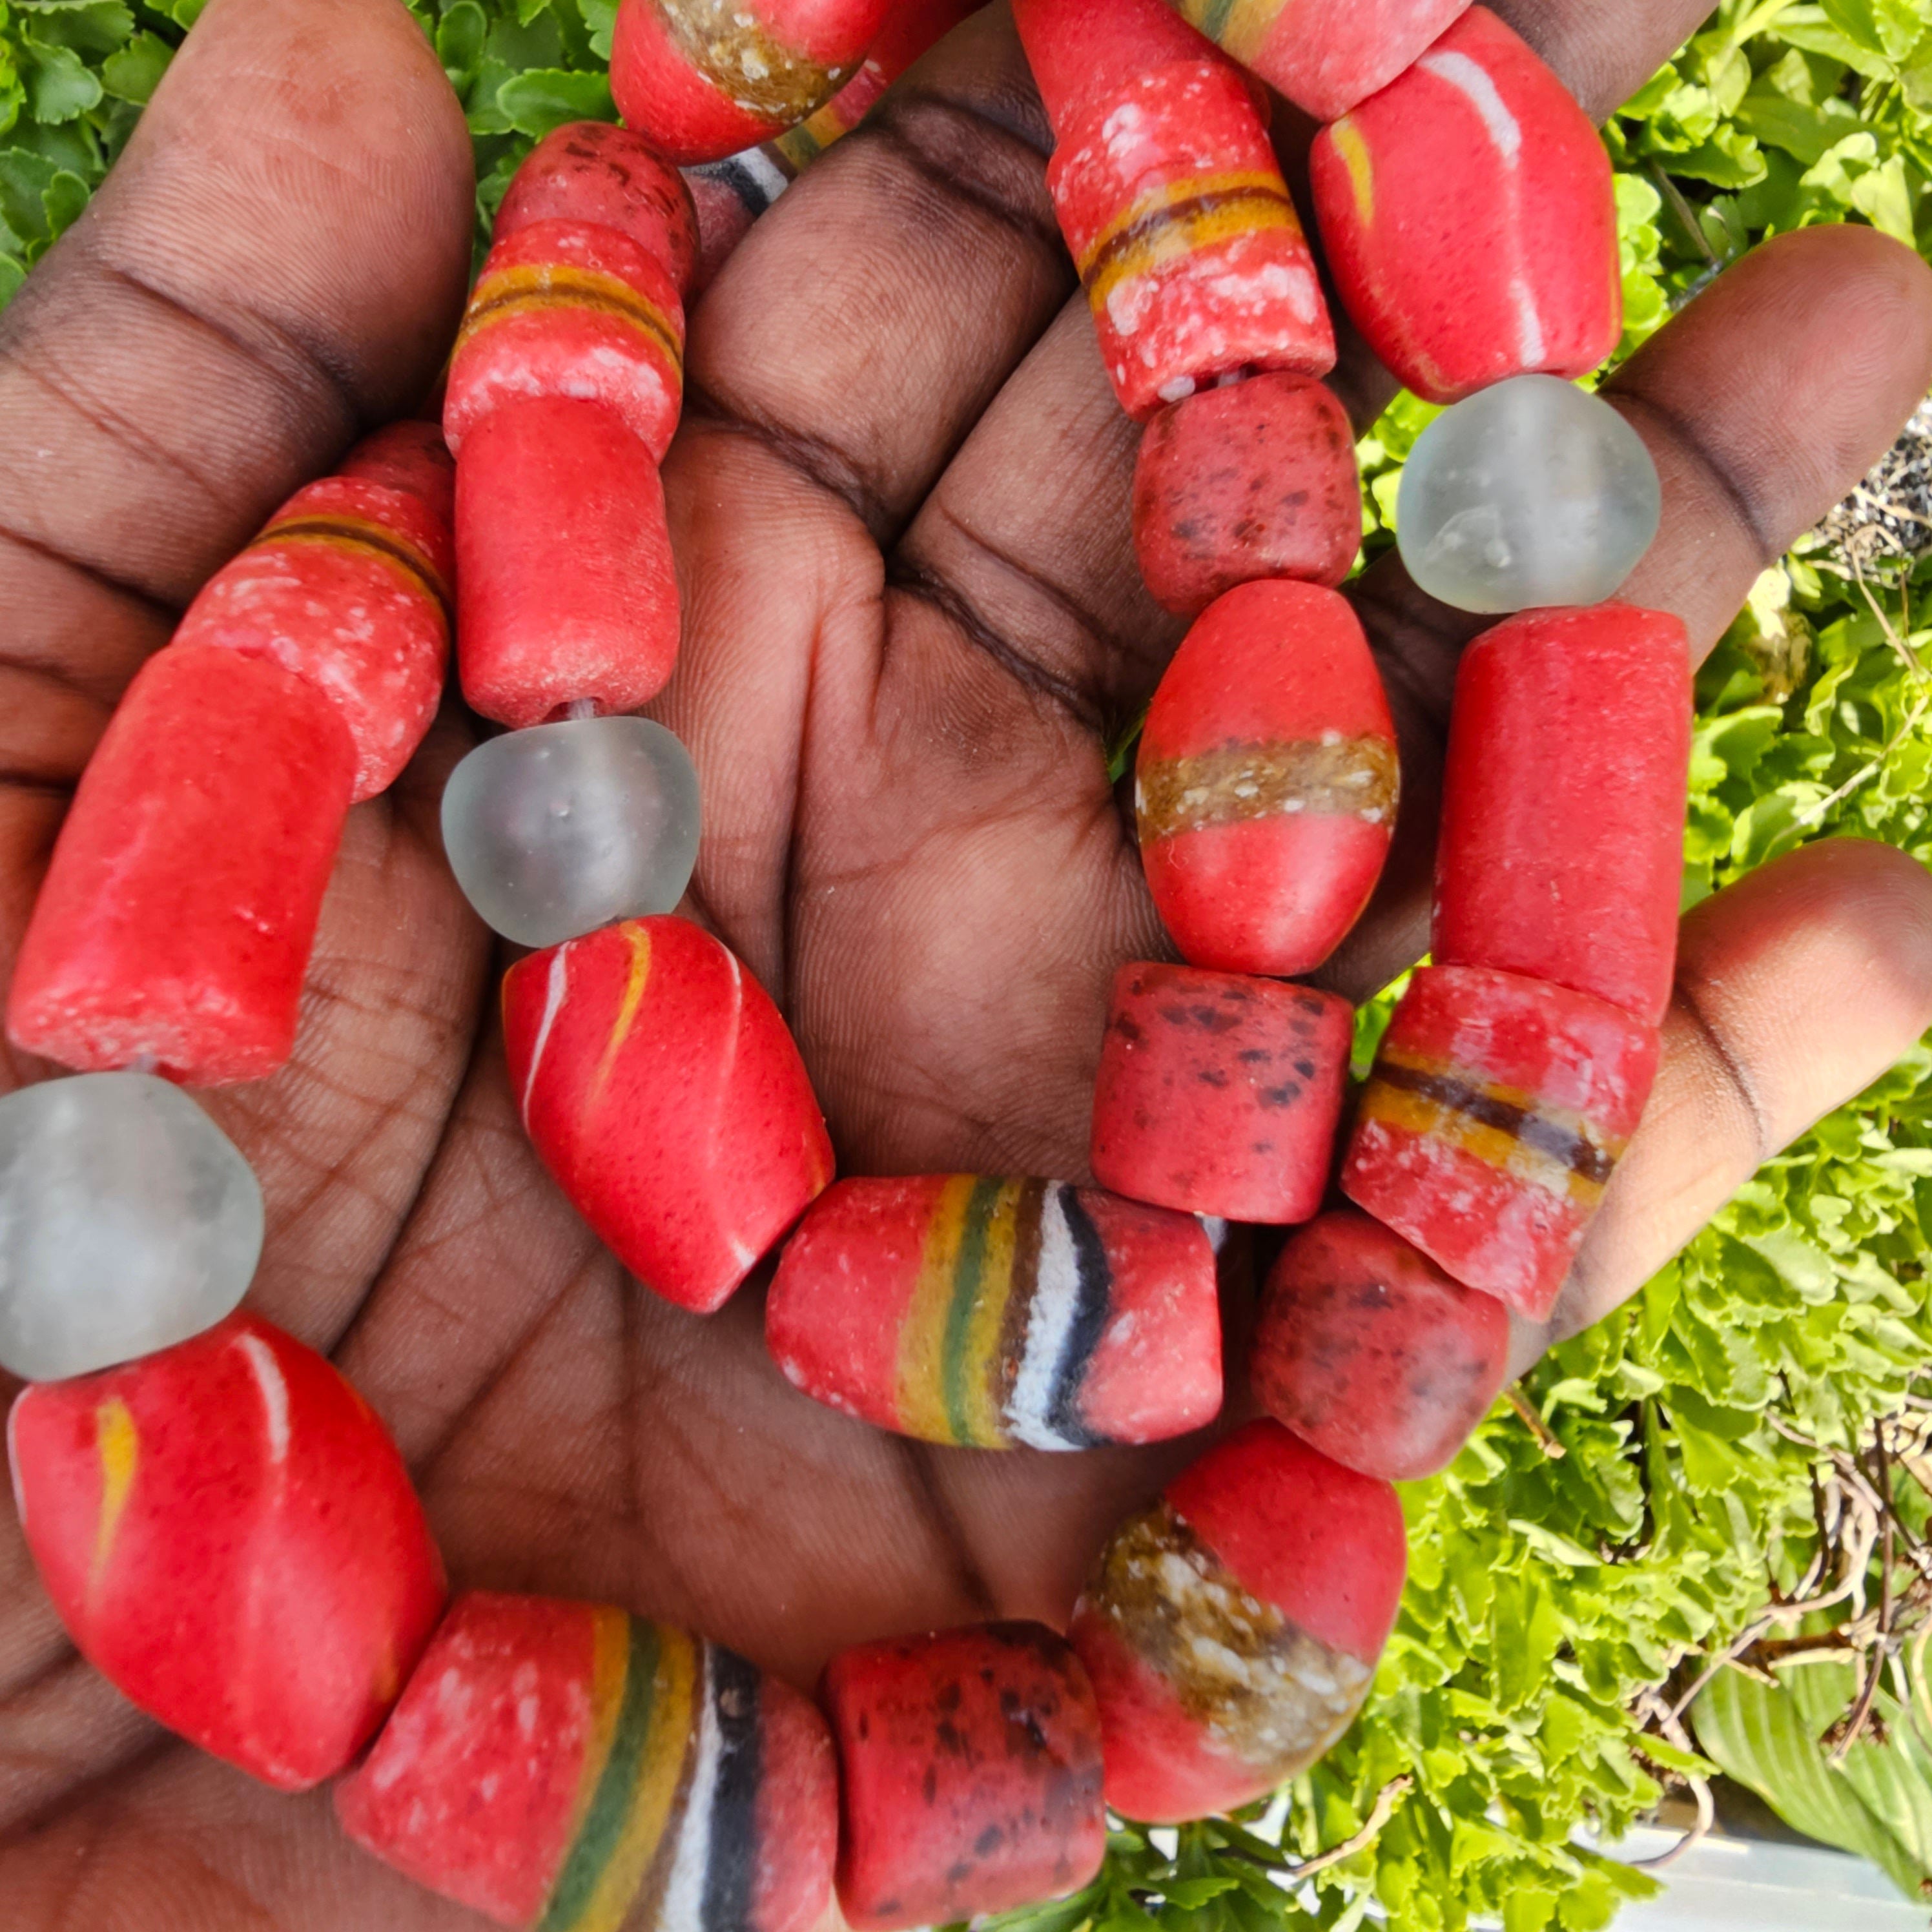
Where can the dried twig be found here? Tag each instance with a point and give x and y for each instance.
(1391, 1795)
(1526, 1412)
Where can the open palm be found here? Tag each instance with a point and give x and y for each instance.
(900, 506)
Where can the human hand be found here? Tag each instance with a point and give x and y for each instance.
(900, 507)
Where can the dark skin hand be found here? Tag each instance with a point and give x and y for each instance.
(899, 502)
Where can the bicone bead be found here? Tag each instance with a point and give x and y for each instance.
(1266, 783)
(1371, 1353)
(1256, 480)
(129, 1222)
(557, 830)
(1533, 492)
(659, 1086)
(591, 171)
(231, 1539)
(1467, 216)
(411, 458)
(1561, 851)
(1496, 1109)
(176, 920)
(572, 1765)
(570, 309)
(971, 1309)
(699, 79)
(1219, 1094)
(970, 1763)
(566, 589)
(1325, 55)
(1231, 1630)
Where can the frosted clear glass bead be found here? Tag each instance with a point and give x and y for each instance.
(561, 829)
(1530, 494)
(128, 1221)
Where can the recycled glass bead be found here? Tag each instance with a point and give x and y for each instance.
(1529, 494)
(557, 830)
(128, 1222)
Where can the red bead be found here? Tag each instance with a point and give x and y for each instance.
(1561, 855)
(1324, 54)
(970, 1766)
(964, 1308)
(410, 457)
(566, 589)
(1496, 1111)
(1265, 787)
(1231, 1630)
(1254, 480)
(590, 171)
(1085, 51)
(1469, 219)
(572, 1765)
(1371, 1353)
(570, 309)
(1219, 1094)
(699, 79)
(231, 1539)
(660, 1086)
(176, 919)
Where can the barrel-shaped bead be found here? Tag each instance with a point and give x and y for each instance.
(412, 458)
(1266, 783)
(592, 171)
(129, 1222)
(1371, 1353)
(1467, 213)
(570, 309)
(659, 1086)
(1325, 55)
(1219, 1094)
(699, 79)
(175, 921)
(1495, 1111)
(1231, 1630)
(970, 1767)
(972, 1309)
(571, 1766)
(1194, 261)
(1560, 853)
(231, 1539)
(1255, 480)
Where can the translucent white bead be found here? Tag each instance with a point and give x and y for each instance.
(128, 1221)
(563, 828)
(1530, 494)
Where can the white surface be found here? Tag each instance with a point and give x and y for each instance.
(1730, 1885)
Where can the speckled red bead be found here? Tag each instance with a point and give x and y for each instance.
(969, 1763)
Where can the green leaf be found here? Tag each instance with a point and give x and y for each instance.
(1887, 28)
(535, 103)
(88, 26)
(133, 72)
(60, 84)
(601, 17)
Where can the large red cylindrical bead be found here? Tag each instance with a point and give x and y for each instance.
(1265, 787)
(1231, 1630)
(1219, 1094)
(591, 171)
(412, 458)
(1082, 52)
(1371, 1353)
(1496, 1109)
(658, 1084)
(971, 1309)
(1324, 54)
(175, 921)
(1560, 854)
(1469, 219)
(570, 309)
(1254, 480)
(231, 1539)
(567, 591)
(699, 79)
(971, 1767)
(572, 1766)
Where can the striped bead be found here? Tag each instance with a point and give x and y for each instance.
(573, 1767)
(1495, 1114)
(985, 1312)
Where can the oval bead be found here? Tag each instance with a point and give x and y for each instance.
(129, 1222)
(1532, 493)
(555, 831)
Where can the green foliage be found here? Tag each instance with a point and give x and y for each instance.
(1546, 1595)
